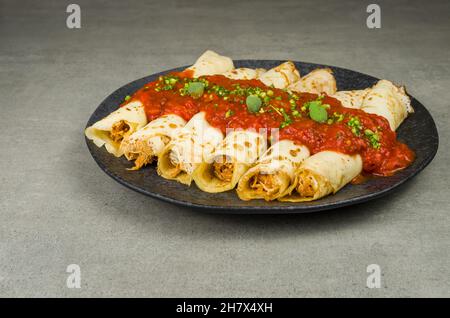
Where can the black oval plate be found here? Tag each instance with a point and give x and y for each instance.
(418, 131)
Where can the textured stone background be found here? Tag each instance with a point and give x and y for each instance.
(57, 207)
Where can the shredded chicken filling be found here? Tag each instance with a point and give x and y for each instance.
(119, 130)
(142, 160)
(307, 185)
(264, 182)
(223, 169)
(144, 153)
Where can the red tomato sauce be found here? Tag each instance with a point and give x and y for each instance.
(230, 111)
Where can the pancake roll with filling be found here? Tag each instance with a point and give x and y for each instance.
(318, 81)
(111, 130)
(145, 144)
(211, 63)
(230, 160)
(389, 101)
(273, 173)
(192, 143)
(281, 76)
(321, 174)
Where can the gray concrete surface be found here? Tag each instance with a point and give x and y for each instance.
(57, 207)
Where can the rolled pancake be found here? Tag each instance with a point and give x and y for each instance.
(211, 63)
(318, 81)
(389, 101)
(273, 173)
(146, 143)
(351, 99)
(222, 170)
(281, 76)
(244, 73)
(322, 174)
(111, 130)
(192, 144)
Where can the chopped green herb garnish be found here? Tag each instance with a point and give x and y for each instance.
(373, 138)
(127, 98)
(169, 82)
(338, 117)
(355, 125)
(220, 90)
(284, 124)
(287, 120)
(296, 113)
(335, 118)
(229, 113)
(292, 103)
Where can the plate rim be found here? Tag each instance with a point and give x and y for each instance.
(269, 209)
